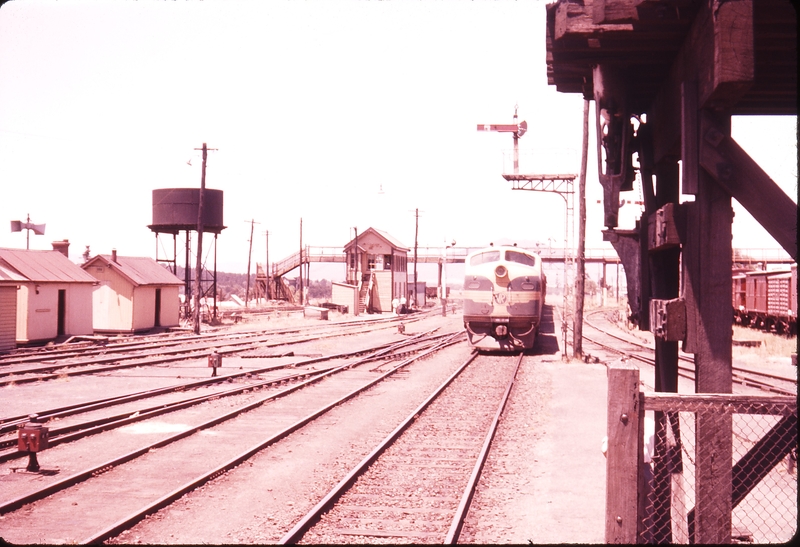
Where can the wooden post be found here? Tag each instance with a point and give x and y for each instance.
(624, 455)
(302, 300)
(199, 263)
(249, 256)
(706, 263)
(416, 237)
(580, 274)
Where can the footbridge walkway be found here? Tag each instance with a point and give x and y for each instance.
(276, 286)
(434, 255)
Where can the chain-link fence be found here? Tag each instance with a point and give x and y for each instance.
(759, 433)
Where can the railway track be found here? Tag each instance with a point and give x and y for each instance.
(47, 365)
(417, 484)
(247, 381)
(639, 351)
(154, 474)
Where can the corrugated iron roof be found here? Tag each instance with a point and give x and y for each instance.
(139, 270)
(44, 266)
(380, 233)
(9, 275)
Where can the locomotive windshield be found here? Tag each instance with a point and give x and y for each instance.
(521, 258)
(509, 256)
(483, 258)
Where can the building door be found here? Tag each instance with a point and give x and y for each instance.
(157, 322)
(62, 312)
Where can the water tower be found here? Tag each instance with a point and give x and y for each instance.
(175, 211)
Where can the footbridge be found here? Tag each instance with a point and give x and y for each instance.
(275, 286)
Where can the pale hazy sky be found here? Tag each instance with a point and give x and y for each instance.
(343, 113)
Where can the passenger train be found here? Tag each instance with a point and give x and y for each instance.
(504, 293)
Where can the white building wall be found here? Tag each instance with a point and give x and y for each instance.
(345, 295)
(37, 310)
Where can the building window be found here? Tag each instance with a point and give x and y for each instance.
(387, 262)
(371, 259)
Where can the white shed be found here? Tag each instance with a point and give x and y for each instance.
(54, 299)
(135, 294)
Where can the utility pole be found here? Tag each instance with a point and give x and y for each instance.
(249, 257)
(302, 300)
(355, 252)
(580, 274)
(266, 268)
(416, 236)
(199, 263)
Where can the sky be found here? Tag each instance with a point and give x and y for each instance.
(344, 114)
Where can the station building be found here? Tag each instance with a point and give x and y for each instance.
(134, 294)
(52, 297)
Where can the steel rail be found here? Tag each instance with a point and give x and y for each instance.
(77, 431)
(199, 343)
(173, 355)
(76, 478)
(302, 526)
(10, 423)
(740, 375)
(167, 499)
(171, 339)
(466, 499)
(691, 361)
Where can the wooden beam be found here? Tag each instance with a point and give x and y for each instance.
(734, 53)
(733, 169)
(717, 54)
(614, 11)
(575, 20)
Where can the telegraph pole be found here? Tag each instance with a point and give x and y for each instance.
(249, 257)
(416, 236)
(266, 268)
(580, 275)
(199, 263)
(302, 300)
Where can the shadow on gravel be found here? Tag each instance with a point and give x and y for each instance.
(547, 341)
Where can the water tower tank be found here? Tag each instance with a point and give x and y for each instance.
(175, 210)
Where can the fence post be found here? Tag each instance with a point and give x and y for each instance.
(625, 415)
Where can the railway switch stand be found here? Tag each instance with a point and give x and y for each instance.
(214, 361)
(32, 438)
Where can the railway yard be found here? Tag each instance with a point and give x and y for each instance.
(388, 429)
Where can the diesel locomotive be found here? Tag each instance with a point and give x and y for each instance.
(504, 293)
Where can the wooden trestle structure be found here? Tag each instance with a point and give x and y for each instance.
(681, 69)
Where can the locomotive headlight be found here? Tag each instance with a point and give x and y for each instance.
(500, 271)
